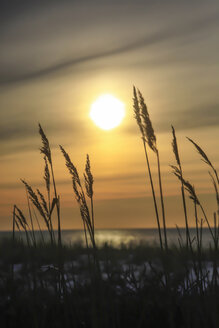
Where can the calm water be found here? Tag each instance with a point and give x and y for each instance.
(116, 237)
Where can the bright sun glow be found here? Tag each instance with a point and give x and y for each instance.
(107, 112)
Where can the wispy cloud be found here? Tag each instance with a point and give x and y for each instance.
(187, 118)
(166, 35)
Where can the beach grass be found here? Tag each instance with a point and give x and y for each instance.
(51, 284)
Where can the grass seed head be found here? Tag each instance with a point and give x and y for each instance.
(20, 216)
(47, 175)
(72, 169)
(147, 124)
(34, 199)
(175, 147)
(43, 203)
(201, 152)
(88, 177)
(45, 149)
(189, 188)
(137, 113)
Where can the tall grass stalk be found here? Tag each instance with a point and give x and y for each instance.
(192, 194)
(13, 243)
(153, 193)
(205, 158)
(40, 204)
(176, 153)
(138, 117)
(31, 218)
(162, 200)
(87, 219)
(38, 224)
(215, 264)
(199, 248)
(48, 184)
(216, 192)
(46, 150)
(21, 221)
(150, 138)
(89, 181)
(197, 227)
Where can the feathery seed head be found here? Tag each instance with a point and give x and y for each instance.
(43, 203)
(137, 114)
(175, 147)
(34, 199)
(147, 124)
(72, 169)
(175, 169)
(88, 177)
(47, 175)
(45, 149)
(20, 216)
(77, 194)
(189, 188)
(201, 152)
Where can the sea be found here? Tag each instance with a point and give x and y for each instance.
(121, 237)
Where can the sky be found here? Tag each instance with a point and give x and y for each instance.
(58, 57)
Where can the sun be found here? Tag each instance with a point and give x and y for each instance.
(107, 112)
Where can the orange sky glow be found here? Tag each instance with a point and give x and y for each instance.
(62, 60)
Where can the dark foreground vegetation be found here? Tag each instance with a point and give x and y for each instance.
(53, 285)
(133, 286)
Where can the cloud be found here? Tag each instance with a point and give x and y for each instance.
(15, 132)
(168, 35)
(21, 130)
(198, 117)
(185, 119)
(67, 181)
(24, 137)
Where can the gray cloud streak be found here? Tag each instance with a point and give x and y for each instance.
(161, 36)
(13, 134)
(190, 118)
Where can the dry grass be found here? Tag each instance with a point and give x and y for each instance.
(162, 295)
